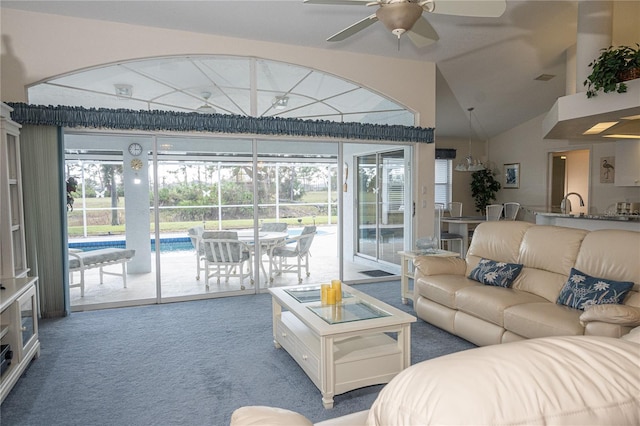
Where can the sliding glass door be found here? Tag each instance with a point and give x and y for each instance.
(202, 185)
(382, 205)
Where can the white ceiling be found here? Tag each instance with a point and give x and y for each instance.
(486, 63)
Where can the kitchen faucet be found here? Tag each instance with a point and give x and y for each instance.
(565, 205)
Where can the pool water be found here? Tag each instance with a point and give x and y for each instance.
(166, 244)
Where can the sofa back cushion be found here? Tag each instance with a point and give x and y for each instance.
(499, 241)
(613, 254)
(548, 253)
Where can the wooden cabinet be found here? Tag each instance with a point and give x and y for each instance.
(18, 329)
(13, 255)
(19, 295)
(627, 163)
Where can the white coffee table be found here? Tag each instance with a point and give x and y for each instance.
(338, 351)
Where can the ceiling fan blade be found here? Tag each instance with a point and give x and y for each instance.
(422, 33)
(340, 2)
(479, 8)
(358, 26)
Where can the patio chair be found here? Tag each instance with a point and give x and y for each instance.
(294, 247)
(225, 256)
(511, 210)
(494, 212)
(274, 227)
(266, 246)
(455, 209)
(195, 234)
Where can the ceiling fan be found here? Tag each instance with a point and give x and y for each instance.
(405, 16)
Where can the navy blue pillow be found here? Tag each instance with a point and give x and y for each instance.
(499, 274)
(582, 290)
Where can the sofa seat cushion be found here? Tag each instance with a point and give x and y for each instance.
(442, 288)
(571, 380)
(489, 302)
(533, 320)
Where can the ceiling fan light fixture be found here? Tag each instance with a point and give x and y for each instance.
(280, 102)
(399, 17)
(206, 108)
(123, 91)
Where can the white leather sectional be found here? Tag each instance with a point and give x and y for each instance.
(486, 314)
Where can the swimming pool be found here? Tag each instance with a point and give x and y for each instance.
(166, 244)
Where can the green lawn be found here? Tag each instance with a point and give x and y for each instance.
(303, 215)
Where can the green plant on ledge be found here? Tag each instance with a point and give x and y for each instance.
(484, 187)
(612, 68)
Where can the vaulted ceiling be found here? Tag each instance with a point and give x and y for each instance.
(490, 64)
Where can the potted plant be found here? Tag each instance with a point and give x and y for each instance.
(72, 186)
(612, 68)
(484, 187)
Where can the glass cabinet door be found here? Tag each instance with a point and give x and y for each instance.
(28, 321)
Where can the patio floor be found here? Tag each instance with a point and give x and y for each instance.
(178, 277)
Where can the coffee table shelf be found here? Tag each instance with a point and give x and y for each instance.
(344, 356)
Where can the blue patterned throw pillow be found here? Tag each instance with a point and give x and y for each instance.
(582, 290)
(499, 274)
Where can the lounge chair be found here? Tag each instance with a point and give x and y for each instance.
(80, 261)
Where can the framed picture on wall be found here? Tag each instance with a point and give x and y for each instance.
(607, 169)
(512, 175)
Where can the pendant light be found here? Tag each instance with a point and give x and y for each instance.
(469, 164)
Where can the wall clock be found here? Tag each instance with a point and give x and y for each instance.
(135, 149)
(136, 164)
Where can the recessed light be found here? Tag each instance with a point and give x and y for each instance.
(600, 127)
(622, 136)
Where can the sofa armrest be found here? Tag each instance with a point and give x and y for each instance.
(431, 265)
(258, 415)
(613, 314)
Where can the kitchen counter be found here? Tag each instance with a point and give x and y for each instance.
(590, 222)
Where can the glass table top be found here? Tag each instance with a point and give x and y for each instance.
(347, 311)
(310, 294)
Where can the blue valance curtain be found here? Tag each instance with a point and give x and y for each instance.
(124, 119)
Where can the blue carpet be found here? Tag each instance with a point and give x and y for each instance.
(189, 363)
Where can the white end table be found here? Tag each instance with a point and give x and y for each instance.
(407, 269)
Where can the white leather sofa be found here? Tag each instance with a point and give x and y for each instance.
(488, 314)
(569, 380)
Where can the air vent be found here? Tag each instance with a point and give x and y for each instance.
(544, 77)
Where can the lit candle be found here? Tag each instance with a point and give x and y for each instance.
(331, 296)
(323, 293)
(337, 286)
